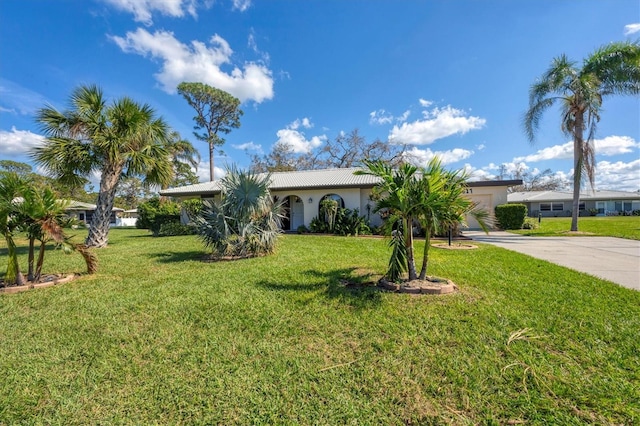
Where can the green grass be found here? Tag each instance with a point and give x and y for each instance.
(610, 226)
(159, 337)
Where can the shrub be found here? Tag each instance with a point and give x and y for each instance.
(530, 223)
(511, 216)
(154, 213)
(302, 229)
(170, 229)
(193, 207)
(342, 222)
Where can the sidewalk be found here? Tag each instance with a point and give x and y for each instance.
(613, 259)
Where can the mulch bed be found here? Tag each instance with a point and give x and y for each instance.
(45, 281)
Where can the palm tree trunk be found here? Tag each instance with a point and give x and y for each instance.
(578, 162)
(38, 273)
(13, 276)
(425, 257)
(411, 263)
(32, 242)
(99, 228)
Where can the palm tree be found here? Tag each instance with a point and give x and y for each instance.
(613, 69)
(121, 139)
(12, 188)
(431, 196)
(442, 204)
(245, 221)
(396, 193)
(184, 156)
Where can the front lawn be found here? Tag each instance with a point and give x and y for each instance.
(607, 226)
(159, 337)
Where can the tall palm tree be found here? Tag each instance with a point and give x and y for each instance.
(184, 156)
(121, 139)
(12, 187)
(613, 69)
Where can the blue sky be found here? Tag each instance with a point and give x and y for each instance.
(449, 77)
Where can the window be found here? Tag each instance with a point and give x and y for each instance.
(547, 207)
(581, 206)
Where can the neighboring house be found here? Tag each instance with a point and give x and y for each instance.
(127, 218)
(302, 192)
(83, 212)
(560, 203)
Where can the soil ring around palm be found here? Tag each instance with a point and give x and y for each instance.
(430, 285)
(455, 246)
(45, 281)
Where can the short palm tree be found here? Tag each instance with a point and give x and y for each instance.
(442, 204)
(245, 221)
(611, 70)
(396, 193)
(43, 217)
(432, 196)
(12, 187)
(121, 139)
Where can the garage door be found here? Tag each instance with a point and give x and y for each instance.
(485, 202)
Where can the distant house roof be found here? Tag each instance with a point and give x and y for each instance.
(544, 196)
(309, 179)
(79, 205)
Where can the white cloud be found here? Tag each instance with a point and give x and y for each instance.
(618, 175)
(18, 142)
(305, 122)
(438, 123)
(296, 139)
(241, 5)
(143, 10)
(424, 103)
(249, 146)
(404, 116)
(203, 172)
(631, 29)
(481, 147)
(421, 157)
(15, 98)
(609, 146)
(199, 62)
(380, 117)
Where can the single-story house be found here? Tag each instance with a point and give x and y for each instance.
(302, 192)
(560, 203)
(83, 212)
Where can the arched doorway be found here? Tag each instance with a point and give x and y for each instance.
(335, 197)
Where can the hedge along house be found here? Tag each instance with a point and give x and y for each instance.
(560, 203)
(303, 191)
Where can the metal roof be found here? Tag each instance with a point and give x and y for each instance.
(308, 179)
(543, 196)
(79, 205)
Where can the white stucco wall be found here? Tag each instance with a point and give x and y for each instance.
(358, 198)
(488, 197)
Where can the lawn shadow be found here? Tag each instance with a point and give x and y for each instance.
(352, 286)
(172, 257)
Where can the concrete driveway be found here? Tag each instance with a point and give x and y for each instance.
(614, 259)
